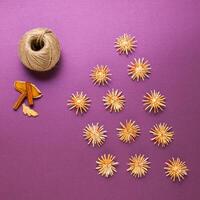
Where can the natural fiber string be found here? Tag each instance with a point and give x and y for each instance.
(39, 49)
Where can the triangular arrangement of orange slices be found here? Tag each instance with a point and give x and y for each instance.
(128, 131)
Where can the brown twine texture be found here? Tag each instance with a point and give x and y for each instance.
(39, 49)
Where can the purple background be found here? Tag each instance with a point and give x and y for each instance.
(46, 158)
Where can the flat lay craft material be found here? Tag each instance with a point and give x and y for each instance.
(176, 169)
(95, 134)
(138, 165)
(39, 49)
(80, 102)
(28, 111)
(106, 165)
(100, 75)
(125, 44)
(154, 101)
(128, 131)
(99, 100)
(114, 100)
(139, 69)
(27, 91)
(162, 134)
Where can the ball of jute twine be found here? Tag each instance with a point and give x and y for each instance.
(39, 49)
